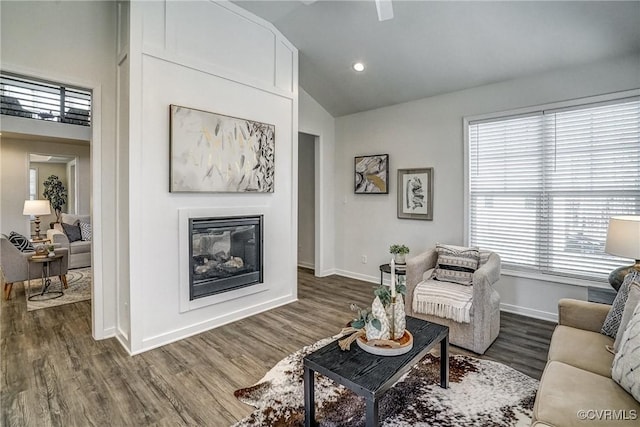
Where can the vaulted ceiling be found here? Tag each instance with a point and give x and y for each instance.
(429, 48)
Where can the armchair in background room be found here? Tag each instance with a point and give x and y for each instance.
(471, 311)
(15, 266)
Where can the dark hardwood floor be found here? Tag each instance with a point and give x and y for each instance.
(55, 374)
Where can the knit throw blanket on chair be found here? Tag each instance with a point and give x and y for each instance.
(446, 300)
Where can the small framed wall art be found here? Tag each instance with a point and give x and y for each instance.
(415, 193)
(216, 153)
(372, 174)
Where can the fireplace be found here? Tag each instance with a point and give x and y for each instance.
(225, 254)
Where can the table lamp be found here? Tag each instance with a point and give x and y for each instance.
(36, 208)
(623, 239)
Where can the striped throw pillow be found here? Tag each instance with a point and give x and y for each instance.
(455, 264)
(625, 364)
(19, 241)
(85, 231)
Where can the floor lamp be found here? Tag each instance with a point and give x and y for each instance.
(36, 208)
(623, 239)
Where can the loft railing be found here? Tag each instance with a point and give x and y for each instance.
(33, 99)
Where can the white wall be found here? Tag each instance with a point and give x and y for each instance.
(315, 120)
(14, 178)
(214, 57)
(429, 133)
(74, 43)
(306, 200)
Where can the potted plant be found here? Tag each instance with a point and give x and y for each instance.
(56, 193)
(399, 253)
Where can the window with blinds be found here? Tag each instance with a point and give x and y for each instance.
(543, 186)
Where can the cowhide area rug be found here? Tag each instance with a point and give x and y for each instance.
(481, 393)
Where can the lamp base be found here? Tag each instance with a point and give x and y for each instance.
(37, 230)
(616, 277)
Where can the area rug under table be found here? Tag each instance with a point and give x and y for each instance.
(79, 281)
(481, 393)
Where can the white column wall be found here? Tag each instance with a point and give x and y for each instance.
(214, 57)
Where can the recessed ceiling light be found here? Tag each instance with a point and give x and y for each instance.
(358, 66)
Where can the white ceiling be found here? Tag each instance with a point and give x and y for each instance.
(430, 48)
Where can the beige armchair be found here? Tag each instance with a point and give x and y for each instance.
(15, 266)
(484, 315)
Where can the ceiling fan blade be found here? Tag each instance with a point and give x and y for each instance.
(385, 9)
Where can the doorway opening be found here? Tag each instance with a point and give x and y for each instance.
(307, 200)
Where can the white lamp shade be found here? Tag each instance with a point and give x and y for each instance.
(623, 237)
(36, 207)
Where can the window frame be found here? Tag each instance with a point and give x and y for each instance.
(521, 112)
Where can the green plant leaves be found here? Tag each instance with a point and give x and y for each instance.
(376, 324)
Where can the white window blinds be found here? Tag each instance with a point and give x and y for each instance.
(543, 186)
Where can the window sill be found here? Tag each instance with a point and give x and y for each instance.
(557, 279)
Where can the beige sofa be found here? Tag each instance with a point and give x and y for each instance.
(80, 250)
(576, 388)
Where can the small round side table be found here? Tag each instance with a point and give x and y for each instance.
(45, 261)
(386, 268)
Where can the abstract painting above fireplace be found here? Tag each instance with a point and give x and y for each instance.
(225, 253)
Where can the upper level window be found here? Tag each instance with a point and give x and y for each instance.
(33, 99)
(543, 185)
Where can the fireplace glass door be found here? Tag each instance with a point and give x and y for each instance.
(226, 254)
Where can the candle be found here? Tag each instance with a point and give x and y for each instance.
(393, 279)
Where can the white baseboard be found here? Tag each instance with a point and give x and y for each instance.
(529, 312)
(325, 273)
(305, 264)
(108, 333)
(358, 276)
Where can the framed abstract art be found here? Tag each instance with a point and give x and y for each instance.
(372, 174)
(216, 153)
(415, 193)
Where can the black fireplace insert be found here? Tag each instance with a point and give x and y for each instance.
(225, 254)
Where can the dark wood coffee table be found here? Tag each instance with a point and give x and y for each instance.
(368, 375)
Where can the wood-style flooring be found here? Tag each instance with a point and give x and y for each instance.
(55, 374)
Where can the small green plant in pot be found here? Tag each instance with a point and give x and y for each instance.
(399, 253)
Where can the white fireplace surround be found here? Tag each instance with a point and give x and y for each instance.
(184, 214)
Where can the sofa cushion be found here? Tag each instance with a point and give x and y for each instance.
(72, 232)
(455, 264)
(582, 349)
(626, 365)
(19, 241)
(612, 322)
(566, 392)
(80, 247)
